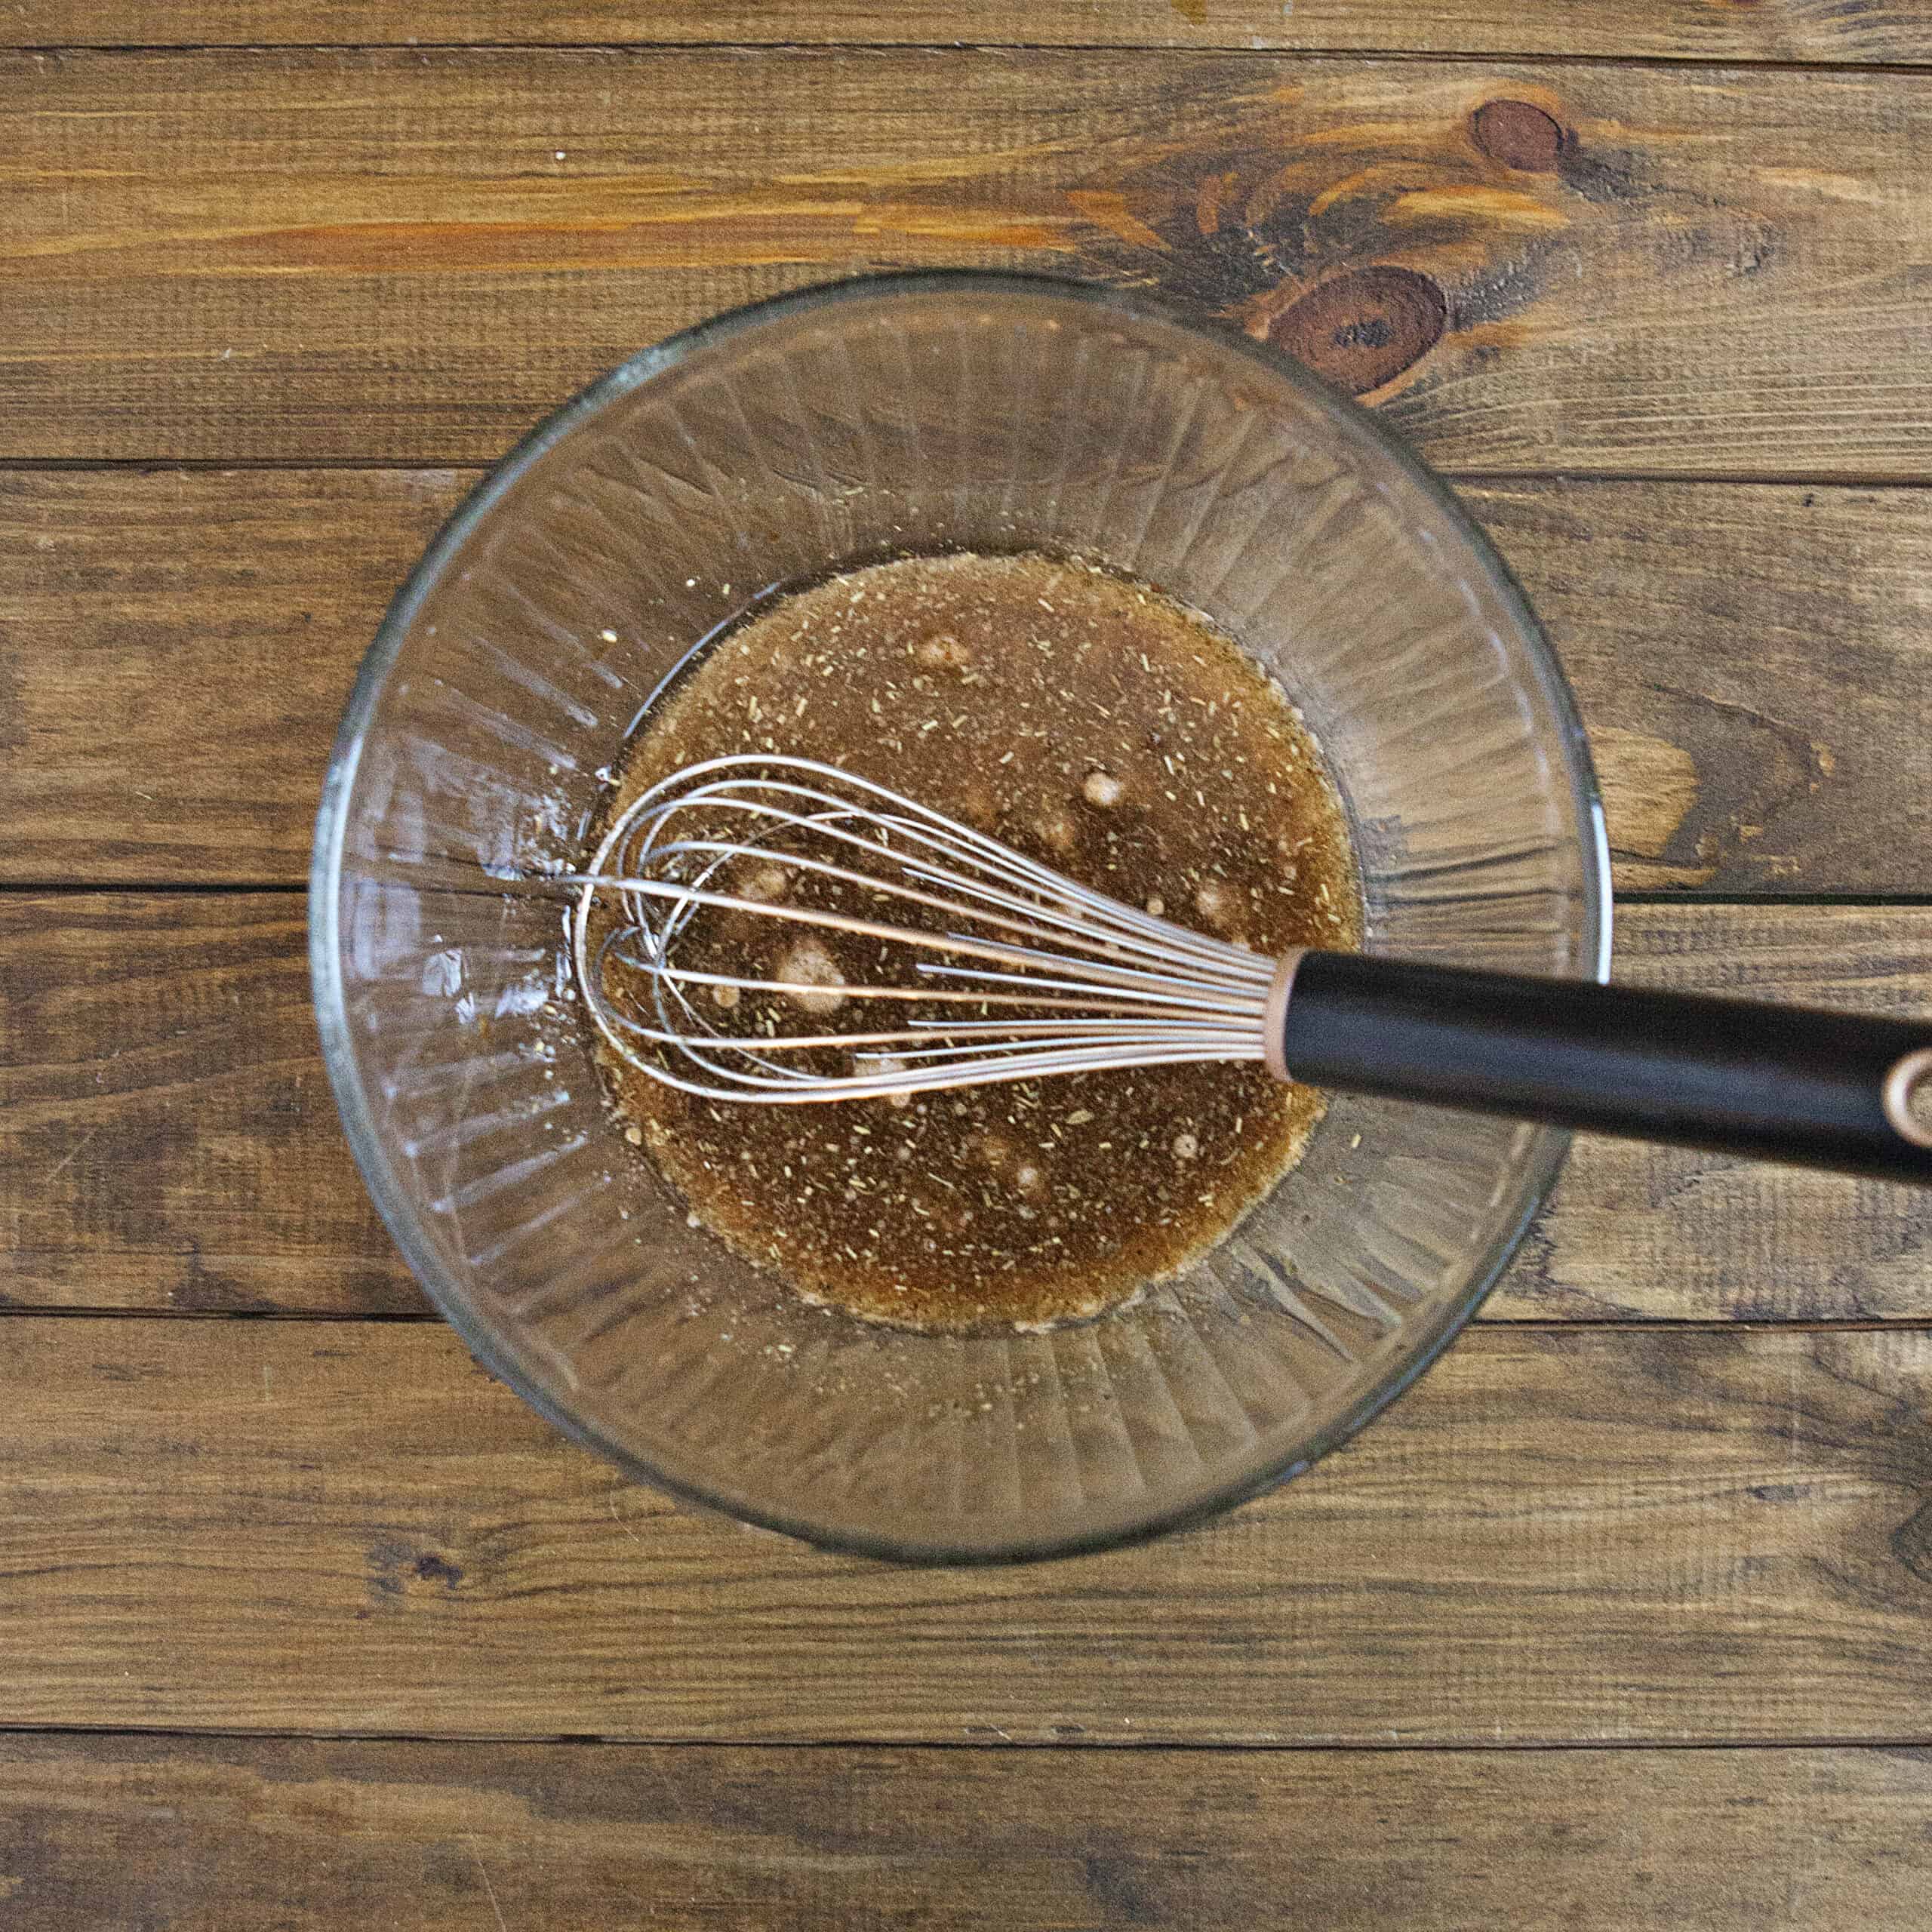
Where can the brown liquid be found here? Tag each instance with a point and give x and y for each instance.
(1101, 729)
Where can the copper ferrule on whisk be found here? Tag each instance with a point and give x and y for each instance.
(1275, 1014)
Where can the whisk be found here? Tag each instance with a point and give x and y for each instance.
(915, 953)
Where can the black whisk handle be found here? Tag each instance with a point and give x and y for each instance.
(1827, 1090)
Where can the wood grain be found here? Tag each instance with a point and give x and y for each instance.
(241, 1834)
(1580, 1535)
(294, 255)
(168, 1140)
(1753, 663)
(1565, 1535)
(1655, 1233)
(167, 1135)
(1874, 30)
(175, 654)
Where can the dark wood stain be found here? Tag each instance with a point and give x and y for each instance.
(1517, 134)
(1364, 328)
(1911, 1543)
(112, 1008)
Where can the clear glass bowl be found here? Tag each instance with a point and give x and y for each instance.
(930, 413)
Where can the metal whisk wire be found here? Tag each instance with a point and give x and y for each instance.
(1027, 973)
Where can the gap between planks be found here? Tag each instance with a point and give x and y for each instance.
(831, 1746)
(461, 467)
(1162, 50)
(1742, 902)
(1528, 1324)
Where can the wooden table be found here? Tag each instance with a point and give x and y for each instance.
(1624, 1618)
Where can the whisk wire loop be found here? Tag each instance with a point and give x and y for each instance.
(1026, 974)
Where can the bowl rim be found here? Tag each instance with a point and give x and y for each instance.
(497, 1351)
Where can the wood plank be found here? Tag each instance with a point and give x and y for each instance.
(419, 1837)
(1752, 665)
(276, 253)
(1781, 30)
(168, 1141)
(1655, 1233)
(175, 654)
(1583, 1535)
(1752, 662)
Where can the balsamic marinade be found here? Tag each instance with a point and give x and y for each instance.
(1100, 728)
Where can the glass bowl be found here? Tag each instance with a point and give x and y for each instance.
(929, 412)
